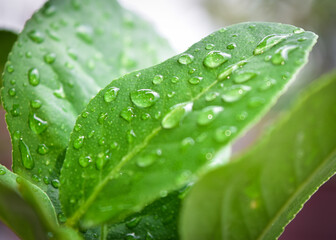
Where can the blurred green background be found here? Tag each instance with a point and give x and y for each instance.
(185, 22)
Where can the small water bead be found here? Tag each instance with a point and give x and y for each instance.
(175, 79)
(128, 114)
(186, 59)
(36, 36)
(222, 30)
(195, 80)
(49, 58)
(157, 115)
(85, 114)
(53, 35)
(210, 96)
(241, 116)
(34, 76)
(111, 94)
(78, 127)
(15, 110)
(114, 145)
(171, 94)
(102, 117)
(192, 70)
(42, 149)
(223, 133)
(187, 142)
(268, 42)
(298, 30)
(209, 46)
(133, 222)
(302, 39)
(244, 76)
(131, 136)
(55, 183)
(2, 171)
(144, 98)
(26, 158)
(268, 58)
(256, 102)
(36, 124)
(78, 142)
(101, 160)
(157, 79)
(12, 92)
(225, 73)
(29, 54)
(72, 53)
(101, 141)
(281, 55)
(216, 58)
(59, 93)
(266, 84)
(146, 161)
(145, 116)
(17, 135)
(46, 180)
(231, 46)
(69, 65)
(208, 114)
(91, 64)
(85, 33)
(91, 134)
(235, 93)
(49, 9)
(35, 178)
(175, 115)
(61, 218)
(10, 68)
(84, 161)
(13, 81)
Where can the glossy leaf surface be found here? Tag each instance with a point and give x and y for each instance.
(255, 196)
(165, 124)
(66, 53)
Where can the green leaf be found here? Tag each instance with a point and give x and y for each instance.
(27, 209)
(166, 123)
(66, 53)
(255, 196)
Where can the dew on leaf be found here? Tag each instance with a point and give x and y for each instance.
(209, 46)
(2, 171)
(157, 79)
(128, 114)
(231, 46)
(147, 160)
(195, 80)
(223, 133)
(268, 42)
(46, 180)
(130, 136)
(216, 58)
(144, 98)
(266, 84)
(36, 36)
(210, 96)
(10, 68)
(235, 93)
(145, 116)
(84, 161)
(186, 59)
(225, 73)
(34, 76)
(133, 222)
(281, 55)
(256, 102)
(26, 158)
(241, 116)
(102, 117)
(244, 76)
(49, 58)
(175, 79)
(78, 143)
(12, 92)
(85, 33)
(208, 114)
(36, 124)
(175, 115)
(111, 94)
(187, 142)
(42, 149)
(15, 110)
(55, 183)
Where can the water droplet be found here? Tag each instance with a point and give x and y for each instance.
(13, 81)
(225, 73)
(49, 9)
(192, 70)
(146, 161)
(111, 94)
(210, 96)
(195, 80)
(281, 55)
(256, 102)
(36, 124)
(34, 76)
(171, 94)
(186, 59)
(85, 114)
(55, 183)
(2, 171)
(187, 142)
(46, 180)
(10, 68)
(133, 222)
(59, 93)
(244, 76)
(53, 35)
(298, 30)
(49, 58)
(131, 136)
(85, 33)
(208, 114)
(175, 79)
(101, 141)
(241, 116)
(145, 116)
(235, 93)
(222, 30)
(209, 46)
(36, 36)
(157, 79)
(78, 127)
(102, 117)
(144, 98)
(29, 54)
(268, 42)
(15, 110)
(78, 143)
(42, 149)
(266, 84)
(302, 39)
(231, 46)
(215, 59)
(84, 161)
(114, 145)
(128, 114)
(175, 115)
(101, 160)
(223, 133)
(35, 178)
(12, 92)
(61, 218)
(26, 157)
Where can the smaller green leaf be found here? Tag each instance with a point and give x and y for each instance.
(28, 211)
(255, 196)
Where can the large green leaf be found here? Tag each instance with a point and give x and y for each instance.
(66, 53)
(28, 210)
(152, 131)
(255, 196)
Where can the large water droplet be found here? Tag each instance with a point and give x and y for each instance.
(268, 42)
(85, 33)
(84, 161)
(12, 92)
(195, 80)
(215, 59)
(111, 94)
(10, 68)
(36, 124)
(281, 55)
(34, 76)
(157, 79)
(42, 149)
(208, 114)
(49, 58)
(26, 157)
(186, 59)
(225, 73)
(55, 183)
(235, 93)
(146, 161)
(128, 114)
(78, 143)
(144, 97)
(36, 36)
(175, 115)
(244, 76)
(223, 133)
(59, 93)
